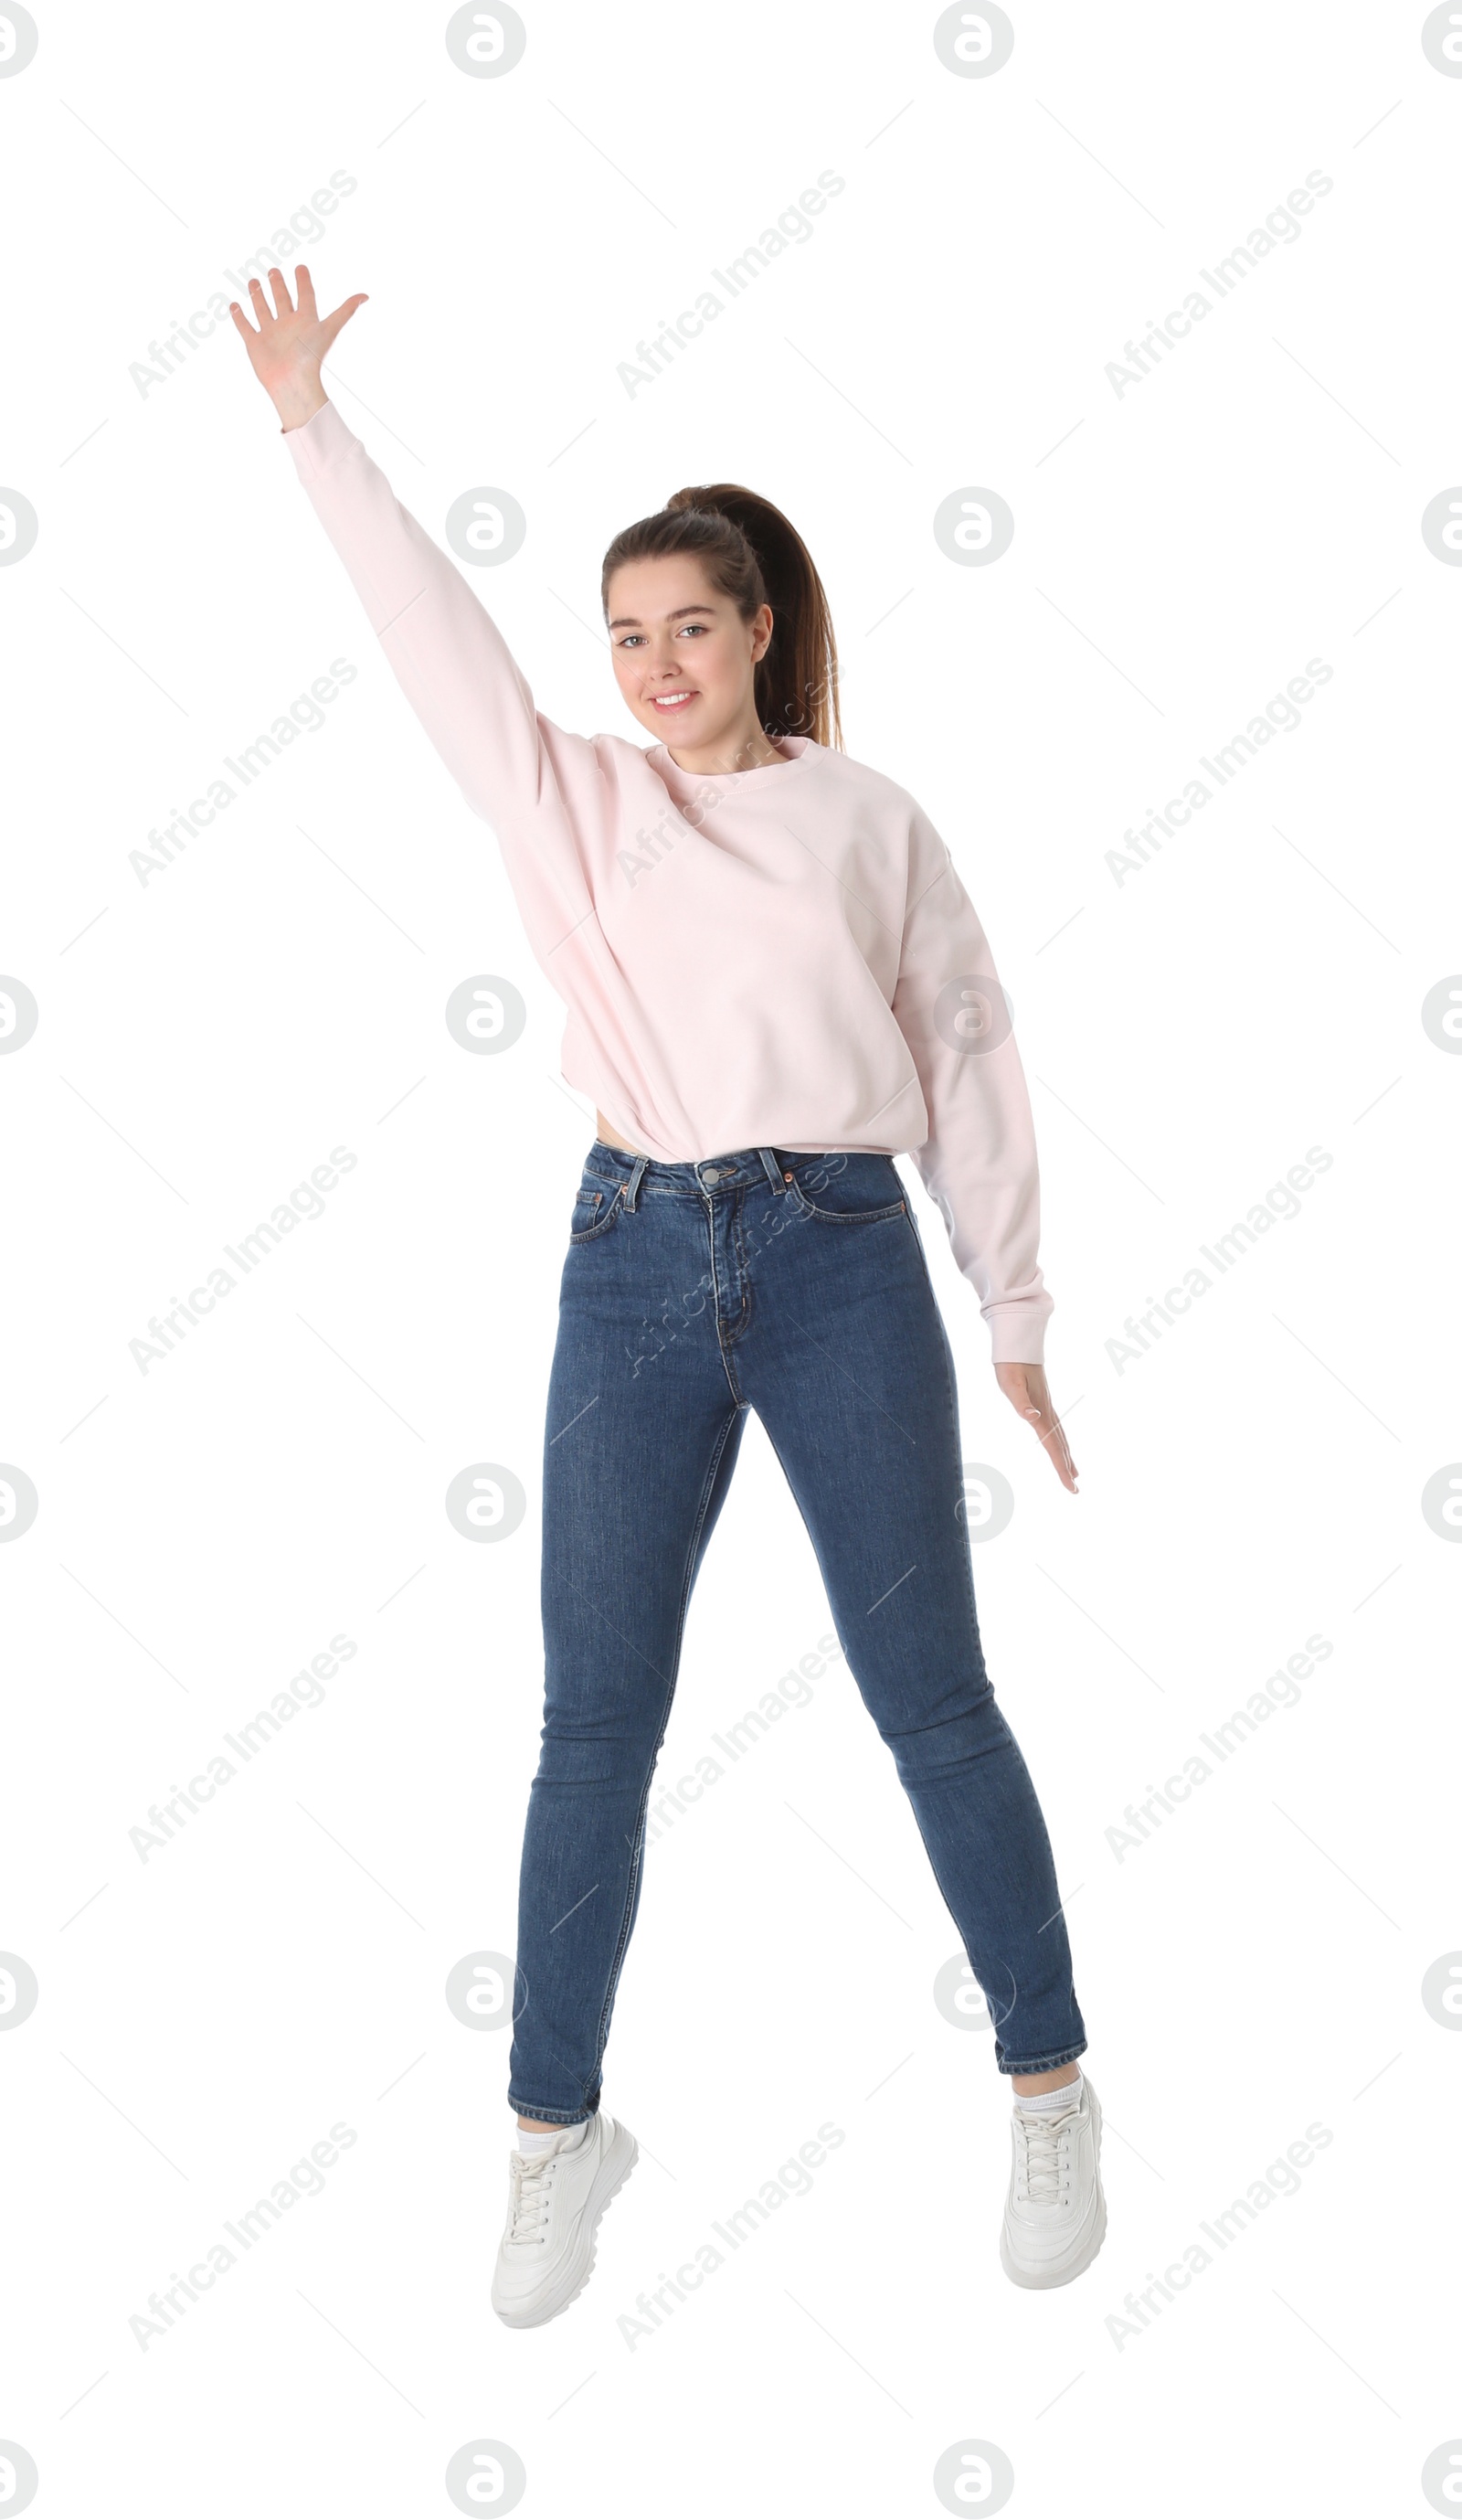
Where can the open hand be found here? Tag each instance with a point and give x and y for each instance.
(290, 341)
(1025, 1388)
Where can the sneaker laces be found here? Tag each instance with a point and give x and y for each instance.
(529, 2199)
(1040, 2133)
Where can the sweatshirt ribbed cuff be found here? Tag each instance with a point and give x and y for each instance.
(1017, 1336)
(323, 434)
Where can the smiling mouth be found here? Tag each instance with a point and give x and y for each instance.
(669, 701)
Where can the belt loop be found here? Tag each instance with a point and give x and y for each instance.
(632, 1188)
(772, 1169)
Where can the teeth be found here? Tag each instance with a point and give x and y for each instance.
(673, 699)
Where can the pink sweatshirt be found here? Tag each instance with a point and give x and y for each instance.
(777, 957)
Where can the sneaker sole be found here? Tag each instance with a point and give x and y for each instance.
(1048, 2281)
(578, 2267)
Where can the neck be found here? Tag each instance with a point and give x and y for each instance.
(746, 747)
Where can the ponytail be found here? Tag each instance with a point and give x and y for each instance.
(753, 555)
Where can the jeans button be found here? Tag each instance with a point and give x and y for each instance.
(710, 1176)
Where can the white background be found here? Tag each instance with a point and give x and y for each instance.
(206, 1037)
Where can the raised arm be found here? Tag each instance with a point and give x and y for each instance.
(514, 768)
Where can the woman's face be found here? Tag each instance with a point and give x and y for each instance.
(683, 655)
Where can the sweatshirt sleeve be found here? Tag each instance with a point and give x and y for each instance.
(516, 769)
(978, 1162)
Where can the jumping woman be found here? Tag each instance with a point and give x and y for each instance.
(776, 983)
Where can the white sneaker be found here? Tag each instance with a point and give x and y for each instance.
(554, 2200)
(1056, 2212)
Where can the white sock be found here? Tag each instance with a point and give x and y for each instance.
(567, 2138)
(1046, 2103)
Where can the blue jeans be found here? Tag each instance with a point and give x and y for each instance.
(795, 1285)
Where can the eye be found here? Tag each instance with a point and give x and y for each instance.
(700, 628)
(628, 640)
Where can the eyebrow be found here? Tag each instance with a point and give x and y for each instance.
(632, 621)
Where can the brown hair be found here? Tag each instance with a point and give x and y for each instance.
(751, 554)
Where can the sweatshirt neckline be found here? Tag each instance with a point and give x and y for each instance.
(794, 748)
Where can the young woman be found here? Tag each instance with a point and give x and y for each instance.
(775, 984)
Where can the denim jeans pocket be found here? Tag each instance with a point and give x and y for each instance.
(595, 1209)
(845, 1189)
